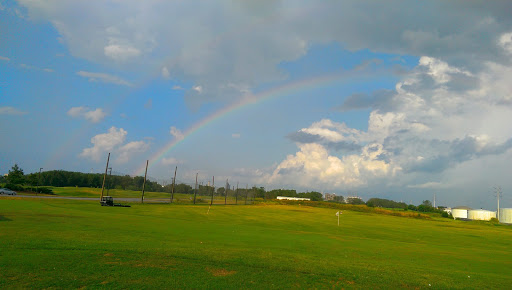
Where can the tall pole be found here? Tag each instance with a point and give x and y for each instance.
(38, 180)
(104, 177)
(226, 193)
(173, 183)
(498, 193)
(144, 184)
(109, 179)
(236, 194)
(434, 200)
(213, 190)
(195, 190)
(246, 192)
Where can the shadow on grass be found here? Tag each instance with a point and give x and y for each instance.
(4, 219)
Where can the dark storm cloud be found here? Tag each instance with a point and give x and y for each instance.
(457, 151)
(380, 99)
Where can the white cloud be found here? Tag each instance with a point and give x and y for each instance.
(93, 116)
(128, 150)
(176, 87)
(31, 67)
(441, 118)
(165, 73)
(439, 70)
(176, 133)
(246, 48)
(102, 77)
(431, 184)
(112, 142)
(198, 89)
(120, 52)
(171, 161)
(4, 58)
(235, 135)
(11, 111)
(314, 167)
(103, 143)
(505, 42)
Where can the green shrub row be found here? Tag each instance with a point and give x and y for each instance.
(40, 189)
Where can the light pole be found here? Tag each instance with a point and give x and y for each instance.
(38, 180)
(109, 179)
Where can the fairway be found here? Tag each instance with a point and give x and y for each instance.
(73, 244)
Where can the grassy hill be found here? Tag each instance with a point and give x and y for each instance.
(73, 244)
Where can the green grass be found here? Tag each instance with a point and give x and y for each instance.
(120, 193)
(71, 244)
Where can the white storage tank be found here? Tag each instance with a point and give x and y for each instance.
(481, 214)
(460, 212)
(506, 215)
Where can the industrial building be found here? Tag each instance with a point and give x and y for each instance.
(481, 214)
(460, 212)
(292, 198)
(329, 196)
(506, 215)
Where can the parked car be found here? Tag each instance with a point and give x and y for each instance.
(7, 191)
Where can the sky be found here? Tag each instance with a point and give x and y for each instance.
(395, 99)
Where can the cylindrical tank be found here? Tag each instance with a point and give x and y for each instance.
(481, 214)
(506, 215)
(459, 213)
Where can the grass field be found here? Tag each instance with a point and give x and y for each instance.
(73, 244)
(120, 193)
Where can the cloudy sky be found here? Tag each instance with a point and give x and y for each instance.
(394, 99)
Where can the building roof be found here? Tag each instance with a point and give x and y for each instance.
(461, 207)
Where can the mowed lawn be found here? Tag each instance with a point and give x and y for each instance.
(148, 195)
(73, 244)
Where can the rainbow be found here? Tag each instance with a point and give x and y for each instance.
(274, 92)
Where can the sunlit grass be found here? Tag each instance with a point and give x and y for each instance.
(71, 244)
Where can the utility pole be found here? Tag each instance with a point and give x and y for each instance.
(497, 190)
(109, 179)
(236, 194)
(226, 192)
(246, 192)
(38, 180)
(213, 190)
(195, 190)
(104, 177)
(144, 184)
(173, 183)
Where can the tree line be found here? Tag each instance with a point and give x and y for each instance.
(62, 178)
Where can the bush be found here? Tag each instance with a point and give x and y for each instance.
(446, 215)
(45, 190)
(14, 187)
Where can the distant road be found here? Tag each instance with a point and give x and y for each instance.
(125, 199)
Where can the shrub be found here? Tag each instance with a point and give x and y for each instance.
(14, 187)
(41, 189)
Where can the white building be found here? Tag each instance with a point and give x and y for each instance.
(292, 198)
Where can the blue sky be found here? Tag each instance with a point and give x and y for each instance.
(345, 97)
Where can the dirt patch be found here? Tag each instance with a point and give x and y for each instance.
(108, 255)
(220, 272)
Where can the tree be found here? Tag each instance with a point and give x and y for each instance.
(16, 175)
(354, 200)
(339, 198)
(427, 203)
